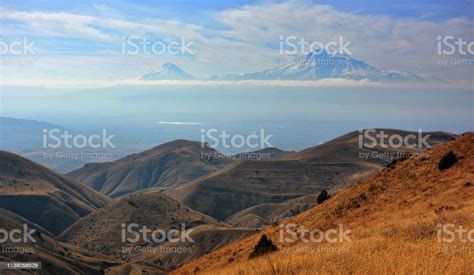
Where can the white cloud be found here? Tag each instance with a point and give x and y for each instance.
(177, 123)
(63, 24)
(323, 83)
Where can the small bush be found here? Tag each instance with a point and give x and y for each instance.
(447, 161)
(264, 246)
(324, 195)
(131, 203)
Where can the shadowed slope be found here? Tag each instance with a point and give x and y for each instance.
(166, 165)
(55, 257)
(42, 196)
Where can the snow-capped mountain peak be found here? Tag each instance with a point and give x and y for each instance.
(168, 71)
(322, 64)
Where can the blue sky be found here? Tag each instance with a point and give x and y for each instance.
(81, 41)
(184, 9)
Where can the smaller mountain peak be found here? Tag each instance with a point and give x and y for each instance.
(168, 71)
(170, 65)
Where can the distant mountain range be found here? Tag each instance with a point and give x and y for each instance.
(22, 134)
(316, 65)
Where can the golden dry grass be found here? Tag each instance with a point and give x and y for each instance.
(399, 250)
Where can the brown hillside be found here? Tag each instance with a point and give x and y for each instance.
(393, 215)
(166, 165)
(55, 257)
(42, 196)
(102, 231)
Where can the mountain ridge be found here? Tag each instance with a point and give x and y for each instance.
(163, 166)
(322, 64)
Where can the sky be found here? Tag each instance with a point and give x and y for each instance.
(79, 42)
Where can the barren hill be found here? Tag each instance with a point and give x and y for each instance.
(42, 196)
(103, 230)
(55, 257)
(166, 165)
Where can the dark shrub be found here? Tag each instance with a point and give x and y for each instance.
(391, 164)
(324, 195)
(447, 161)
(131, 203)
(264, 246)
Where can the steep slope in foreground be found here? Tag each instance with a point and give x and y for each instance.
(394, 216)
(103, 231)
(245, 184)
(42, 196)
(166, 165)
(55, 257)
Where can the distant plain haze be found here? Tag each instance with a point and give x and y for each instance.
(297, 117)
